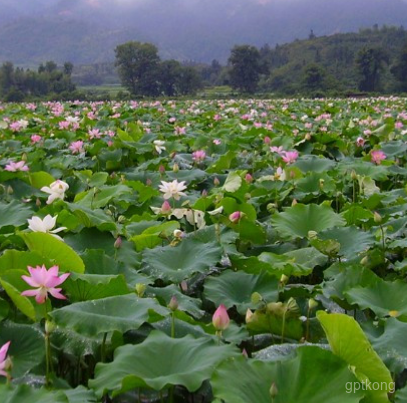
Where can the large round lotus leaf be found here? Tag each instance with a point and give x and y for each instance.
(391, 345)
(14, 214)
(314, 164)
(236, 289)
(58, 252)
(314, 375)
(80, 395)
(182, 261)
(349, 342)
(122, 313)
(352, 240)
(298, 220)
(84, 287)
(382, 298)
(24, 394)
(161, 361)
(26, 347)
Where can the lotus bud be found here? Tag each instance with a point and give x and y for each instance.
(294, 202)
(179, 234)
(244, 353)
(38, 202)
(175, 167)
(140, 289)
(118, 242)
(49, 326)
(256, 298)
(312, 234)
(271, 207)
(10, 190)
(109, 212)
(220, 318)
(166, 207)
(312, 304)
(273, 391)
(267, 140)
(149, 182)
(161, 169)
(377, 217)
(216, 181)
(284, 280)
(248, 178)
(204, 193)
(353, 175)
(121, 219)
(173, 305)
(321, 183)
(235, 217)
(249, 315)
(184, 286)
(308, 137)
(24, 157)
(8, 365)
(365, 261)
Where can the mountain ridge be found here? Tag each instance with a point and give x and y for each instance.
(87, 31)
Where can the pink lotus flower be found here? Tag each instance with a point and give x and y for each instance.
(377, 156)
(180, 130)
(3, 358)
(220, 318)
(217, 142)
(94, 133)
(198, 156)
(235, 217)
(248, 178)
(44, 281)
(360, 141)
(278, 150)
(16, 166)
(290, 156)
(35, 138)
(267, 140)
(77, 147)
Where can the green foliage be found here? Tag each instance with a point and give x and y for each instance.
(245, 68)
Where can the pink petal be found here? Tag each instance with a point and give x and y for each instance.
(56, 293)
(3, 351)
(30, 293)
(30, 281)
(53, 271)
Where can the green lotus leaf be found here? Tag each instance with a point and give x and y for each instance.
(26, 347)
(24, 394)
(14, 214)
(383, 298)
(161, 361)
(54, 250)
(314, 375)
(121, 313)
(84, 287)
(352, 240)
(298, 220)
(181, 262)
(349, 342)
(236, 289)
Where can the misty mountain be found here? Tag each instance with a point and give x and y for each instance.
(86, 31)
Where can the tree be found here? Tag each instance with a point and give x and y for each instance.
(170, 76)
(68, 68)
(313, 77)
(370, 63)
(6, 77)
(245, 68)
(399, 70)
(138, 64)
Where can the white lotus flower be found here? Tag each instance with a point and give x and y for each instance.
(196, 217)
(159, 146)
(46, 225)
(56, 190)
(172, 189)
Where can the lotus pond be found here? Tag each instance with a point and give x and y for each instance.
(204, 251)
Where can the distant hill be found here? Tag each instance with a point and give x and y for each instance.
(336, 55)
(86, 31)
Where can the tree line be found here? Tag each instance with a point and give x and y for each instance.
(17, 84)
(371, 61)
